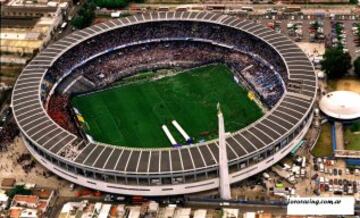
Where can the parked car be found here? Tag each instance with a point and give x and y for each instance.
(345, 182)
(350, 189)
(317, 192)
(316, 167)
(315, 176)
(321, 167)
(266, 175)
(326, 180)
(326, 187)
(355, 187)
(337, 192)
(319, 160)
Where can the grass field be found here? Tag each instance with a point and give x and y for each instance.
(133, 114)
(352, 136)
(323, 147)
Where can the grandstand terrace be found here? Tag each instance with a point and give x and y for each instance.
(271, 64)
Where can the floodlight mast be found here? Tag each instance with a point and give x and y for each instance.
(224, 183)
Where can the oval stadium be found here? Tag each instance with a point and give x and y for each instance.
(128, 106)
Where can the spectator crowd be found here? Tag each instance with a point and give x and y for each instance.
(114, 55)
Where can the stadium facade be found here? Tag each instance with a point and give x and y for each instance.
(165, 171)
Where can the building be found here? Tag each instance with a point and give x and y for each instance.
(168, 171)
(29, 213)
(27, 29)
(30, 11)
(4, 200)
(27, 201)
(230, 213)
(316, 2)
(182, 213)
(85, 209)
(70, 209)
(31, 206)
(342, 108)
(8, 183)
(341, 105)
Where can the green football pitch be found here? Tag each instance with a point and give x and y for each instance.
(132, 114)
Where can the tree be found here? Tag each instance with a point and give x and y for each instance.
(85, 16)
(357, 66)
(336, 63)
(111, 3)
(18, 190)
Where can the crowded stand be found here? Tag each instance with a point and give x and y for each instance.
(268, 85)
(141, 32)
(111, 56)
(58, 110)
(112, 66)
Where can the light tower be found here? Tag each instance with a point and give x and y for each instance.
(224, 183)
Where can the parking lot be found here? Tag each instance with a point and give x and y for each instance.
(330, 177)
(319, 29)
(303, 175)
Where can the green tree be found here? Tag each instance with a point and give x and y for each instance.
(357, 66)
(18, 190)
(111, 4)
(78, 22)
(84, 16)
(336, 63)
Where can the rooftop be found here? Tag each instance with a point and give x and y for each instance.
(15, 212)
(30, 199)
(8, 182)
(343, 105)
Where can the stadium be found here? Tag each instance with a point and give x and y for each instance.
(182, 64)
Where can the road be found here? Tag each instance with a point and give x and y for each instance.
(244, 207)
(68, 29)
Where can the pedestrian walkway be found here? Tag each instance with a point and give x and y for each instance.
(339, 135)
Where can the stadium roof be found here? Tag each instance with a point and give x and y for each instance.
(344, 105)
(271, 129)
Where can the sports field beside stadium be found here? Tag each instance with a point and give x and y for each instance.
(132, 114)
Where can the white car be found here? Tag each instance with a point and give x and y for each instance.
(321, 167)
(332, 162)
(327, 180)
